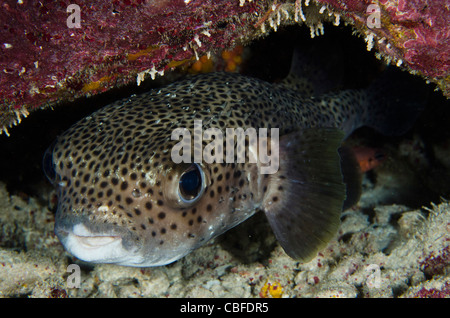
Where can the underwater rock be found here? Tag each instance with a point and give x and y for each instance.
(52, 52)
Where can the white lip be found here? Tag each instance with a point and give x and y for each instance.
(107, 248)
(91, 240)
(94, 247)
(96, 241)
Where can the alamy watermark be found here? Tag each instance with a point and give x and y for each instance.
(374, 18)
(74, 279)
(74, 19)
(257, 147)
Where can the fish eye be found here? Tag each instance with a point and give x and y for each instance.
(192, 184)
(48, 165)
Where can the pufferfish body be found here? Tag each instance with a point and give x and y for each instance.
(122, 199)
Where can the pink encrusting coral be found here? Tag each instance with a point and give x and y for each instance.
(443, 292)
(44, 60)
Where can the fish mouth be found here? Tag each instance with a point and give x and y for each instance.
(92, 242)
(93, 247)
(109, 245)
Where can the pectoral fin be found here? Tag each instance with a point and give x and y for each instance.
(305, 197)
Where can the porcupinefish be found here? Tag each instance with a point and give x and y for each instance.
(122, 199)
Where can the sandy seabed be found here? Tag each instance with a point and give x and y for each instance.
(386, 251)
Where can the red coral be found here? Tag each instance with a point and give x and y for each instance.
(444, 292)
(43, 60)
(436, 264)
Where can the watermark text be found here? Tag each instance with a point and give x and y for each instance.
(260, 147)
(74, 19)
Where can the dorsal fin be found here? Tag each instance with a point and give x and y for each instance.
(314, 71)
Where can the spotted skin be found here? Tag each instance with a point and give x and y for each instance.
(115, 177)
